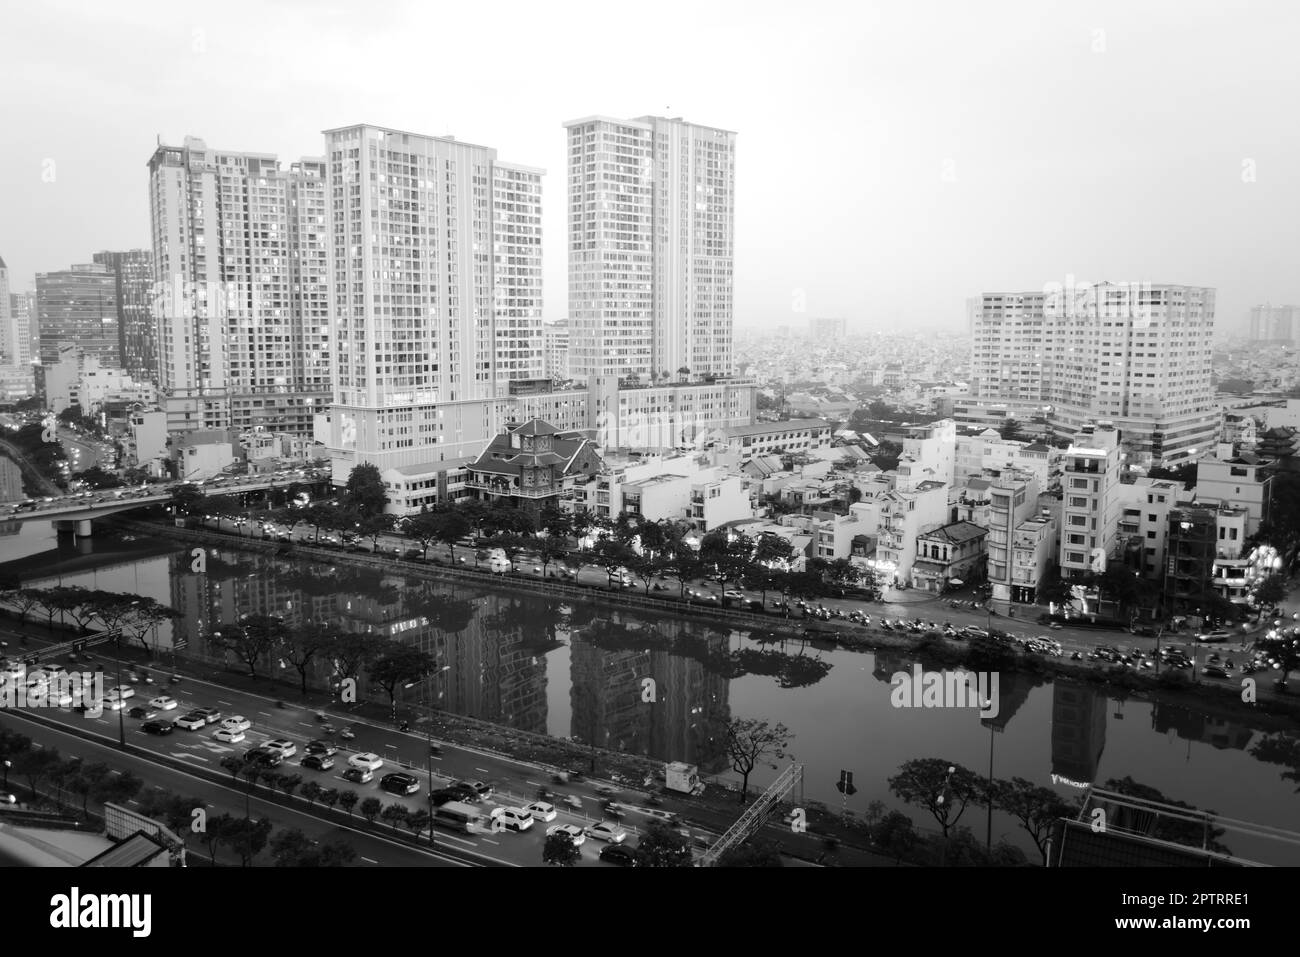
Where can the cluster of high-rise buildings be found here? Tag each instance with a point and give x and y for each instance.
(1133, 355)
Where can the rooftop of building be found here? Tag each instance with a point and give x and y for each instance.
(769, 428)
(955, 533)
(135, 851)
(433, 468)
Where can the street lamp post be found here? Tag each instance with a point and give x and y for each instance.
(8, 765)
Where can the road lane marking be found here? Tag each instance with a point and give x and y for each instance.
(304, 724)
(369, 861)
(490, 841)
(483, 770)
(264, 714)
(393, 746)
(226, 703)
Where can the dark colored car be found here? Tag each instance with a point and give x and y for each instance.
(399, 782)
(618, 854)
(140, 711)
(443, 796)
(1213, 671)
(157, 727)
(317, 762)
(358, 775)
(463, 792)
(320, 747)
(263, 757)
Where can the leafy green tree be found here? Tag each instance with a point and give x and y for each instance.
(941, 787)
(725, 555)
(303, 644)
(348, 800)
(397, 665)
(749, 742)
(186, 499)
(559, 849)
(37, 766)
(610, 554)
(1271, 592)
(293, 848)
(96, 478)
(394, 815)
(250, 639)
(247, 838)
(1036, 808)
(370, 808)
(550, 550)
(662, 846)
(1010, 429)
(895, 835)
(365, 491)
(753, 853)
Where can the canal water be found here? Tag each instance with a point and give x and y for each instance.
(650, 684)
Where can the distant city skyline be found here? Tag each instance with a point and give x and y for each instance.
(867, 186)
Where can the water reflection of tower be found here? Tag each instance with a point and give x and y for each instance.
(1194, 726)
(605, 696)
(1078, 730)
(692, 707)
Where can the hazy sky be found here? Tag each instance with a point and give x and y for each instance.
(892, 159)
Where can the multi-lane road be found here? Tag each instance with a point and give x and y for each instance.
(517, 784)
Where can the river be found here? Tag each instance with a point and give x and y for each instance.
(575, 669)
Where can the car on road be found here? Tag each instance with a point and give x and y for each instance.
(1214, 671)
(121, 691)
(236, 722)
(1212, 636)
(263, 757)
(157, 727)
(359, 775)
(143, 712)
(443, 796)
(320, 747)
(463, 791)
(733, 595)
(191, 722)
(164, 703)
(575, 833)
(399, 782)
(612, 809)
(541, 811)
(619, 854)
(606, 831)
(111, 704)
(317, 762)
(282, 746)
(366, 759)
(228, 735)
(209, 715)
(511, 818)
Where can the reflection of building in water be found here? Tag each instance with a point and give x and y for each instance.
(605, 696)
(1013, 692)
(492, 674)
(889, 662)
(1194, 726)
(1078, 730)
(684, 721)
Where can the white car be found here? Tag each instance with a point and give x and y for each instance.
(121, 691)
(541, 811)
(575, 833)
(282, 746)
(236, 722)
(604, 831)
(366, 761)
(229, 735)
(511, 818)
(190, 722)
(164, 703)
(111, 704)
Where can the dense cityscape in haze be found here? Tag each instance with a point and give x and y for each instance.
(327, 523)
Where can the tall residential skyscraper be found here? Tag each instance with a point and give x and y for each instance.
(240, 295)
(79, 305)
(435, 257)
(20, 332)
(9, 347)
(1137, 356)
(133, 272)
(651, 246)
(1275, 323)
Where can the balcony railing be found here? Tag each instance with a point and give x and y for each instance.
(525, 491)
